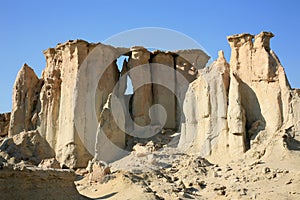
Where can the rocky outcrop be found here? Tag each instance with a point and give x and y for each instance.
(263, 79)
(141, 82)
(187, 64)
(163, 95)
(221, 109)
(71, 99)
(56, 115)
(236, 119)
(110, 138)
(205, 109)
(25, 101)
(264, 89)
(4, 124)
(35, 183)
(48, 104)
(26, 146)
(232, 109)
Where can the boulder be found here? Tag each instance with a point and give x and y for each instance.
(49, 163)
(28, 146)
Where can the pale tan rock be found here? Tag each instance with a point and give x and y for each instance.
(60, 98)
(37, 183)
(49, 163)
(187, 72)
(205, 110)
(87, 122)
(236, 119)
(25, 101)
(264, 85)
(143, 150)
(196, 57)
(56, 116)
(106, 86)
(28, 146)
(99, 170)
(294, 106)
(186, 69)
(110, 138)
(223, 68)
(258, 96)
(4, 123)
(143, 97)
(264, 67)
(226, 107)
(164, 87)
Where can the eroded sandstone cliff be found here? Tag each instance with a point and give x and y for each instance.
(59, 104)
(234, 107)
(222, 109)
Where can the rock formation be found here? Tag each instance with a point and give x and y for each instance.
(36, 183)
(205, 109)
(4, 124)
(225, 114)
(142, 98)
(25, 101)
(77, 82)
(225, 108)
(26, 146)
(162, 95)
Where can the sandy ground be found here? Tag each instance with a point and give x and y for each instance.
(170, 174)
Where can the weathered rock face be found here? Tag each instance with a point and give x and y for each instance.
(25, 101)
(224, 114)
(110, 138)
(263, 79)
(56, 115)
(264, 88)
(106, 86)
(26, 146)
(4, 124)
(220, 109)
(187, 64)
(37, 183)
(162, 95)
(205, 109)
(236, 118)
(59, 105)
(142, 98)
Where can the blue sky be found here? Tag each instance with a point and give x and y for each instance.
(29, 27)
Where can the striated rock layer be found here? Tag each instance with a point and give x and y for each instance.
(30, 182)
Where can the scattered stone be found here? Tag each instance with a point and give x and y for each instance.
(289, 182)
(266, 170)
(257, 162)
(49, 163)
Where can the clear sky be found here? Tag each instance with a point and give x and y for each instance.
(29, 27)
